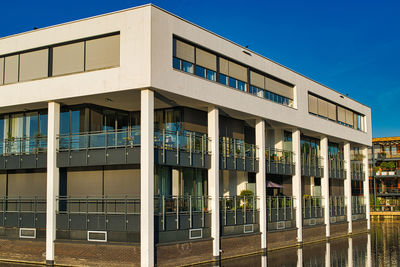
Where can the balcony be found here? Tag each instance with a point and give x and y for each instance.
(357, 171)
(239, 215)
(311, 166)
(337, 209)
(358, 208)
(388, 192)
(23, 153)
(388, 174)
(23, 212)
(237, 155)
(279, 161)
(123, 147)
(182, 218)
(383, 156)
(109, 214)
(280, 213)
(336, 168)
(313, 211)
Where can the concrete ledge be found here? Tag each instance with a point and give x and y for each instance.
(360, 226)
(339, 229)
(240, 245)
(314, 233)
(282, 239)
(183, 253)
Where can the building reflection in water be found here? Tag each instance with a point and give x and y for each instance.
(351, 252)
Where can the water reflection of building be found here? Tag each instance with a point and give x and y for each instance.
(139, 127)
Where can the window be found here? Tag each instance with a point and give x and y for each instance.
(223, 79)
(192, 59)
(34, 65)
(68, 59)
(102, 52)
(187, 66)
(200, 71)
(211, 75)
(326, 109)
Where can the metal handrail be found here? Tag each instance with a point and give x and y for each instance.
(280, 205)
(279, 155)
(237, 148)
(23, 145)
(337, 206)
(191, 142)
(310, 204)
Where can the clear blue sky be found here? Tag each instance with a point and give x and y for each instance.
(350, 46)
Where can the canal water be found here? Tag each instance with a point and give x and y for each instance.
(381, 247)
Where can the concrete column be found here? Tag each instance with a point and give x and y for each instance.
(260, 181)
(325, 185)
(147, 178)
(366, 187)
(53, 178)
(213, 177)
(347, 186)
(296, 184)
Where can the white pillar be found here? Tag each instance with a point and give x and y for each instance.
(366, 187)
(347, 186)
(53, 178)
(147, 178)
(260, 181)
(296, 184)
(213, 177)
(325, 184)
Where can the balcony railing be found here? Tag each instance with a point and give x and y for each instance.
(23, 212)
(388, 191)
(23, 146)
(237, 155)
(357, 170)
(25, 152)
(336, 168)
(123, 147)
(358, 207)
(313, 210)
(280, 212)
(337, 209)
(279, 161)
(239, 211)
(311, 165)
(392, 173)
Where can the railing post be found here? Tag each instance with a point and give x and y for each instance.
(4, 210)
(190, 212)
(86, 213)
(284, 209)
(177, 213)
(163, 211)
(35, 211)
(202, 212)
(163, 145)
(245, 209)
(225, 210)
(126, 212)
(177, 147)
(190, 149)
(254, 209)
(234, 154)
(234, 198)
(19, 211)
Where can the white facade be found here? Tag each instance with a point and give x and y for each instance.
(145, 80)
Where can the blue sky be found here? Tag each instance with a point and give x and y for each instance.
(350, 46)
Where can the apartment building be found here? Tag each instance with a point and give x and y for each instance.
(385, 172)
(142, 128)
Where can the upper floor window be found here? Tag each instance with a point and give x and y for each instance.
(334, 112)
(195, 60)
(91, 54)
